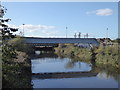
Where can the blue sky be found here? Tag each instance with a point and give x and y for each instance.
(50, 19)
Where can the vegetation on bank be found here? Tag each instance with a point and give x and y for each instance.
(16, 66)
(107, 55)
(19, 45)
(16, 73)
(71, 51)
(103, 59)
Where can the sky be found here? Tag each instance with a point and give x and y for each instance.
(50, 19)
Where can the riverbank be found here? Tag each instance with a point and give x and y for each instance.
(102, 55)
(103, 59)
(108, 55)
(16, 65)
(17, 74)
(70, 50)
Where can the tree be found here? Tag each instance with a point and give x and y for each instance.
(5, 30)
(7, 33)
(8, 52)
(75, 35)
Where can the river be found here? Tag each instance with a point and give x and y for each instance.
(52, 71)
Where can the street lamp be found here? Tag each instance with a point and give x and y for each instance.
(107, 33)
(23, 30)
(66, 32)
(107, 36)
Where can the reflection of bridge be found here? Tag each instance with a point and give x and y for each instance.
(44, 55)
(53, 41)
(63, 75)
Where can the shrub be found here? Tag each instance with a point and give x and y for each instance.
(19, 45)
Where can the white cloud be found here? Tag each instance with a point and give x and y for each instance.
(33, 28)
(36, 30)
(12, 26)
(101, 12)
(104, 12)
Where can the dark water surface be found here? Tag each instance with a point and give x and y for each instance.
(55, 72)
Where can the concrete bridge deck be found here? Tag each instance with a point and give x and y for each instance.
(35, 40)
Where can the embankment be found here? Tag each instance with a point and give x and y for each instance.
(16, 64)
(17, 74)
(102, 55)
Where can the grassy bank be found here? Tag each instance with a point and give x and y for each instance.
(17, 74)
(105, 59)
(102, 55)
(108, 55)
(16, 71)
(70, 50)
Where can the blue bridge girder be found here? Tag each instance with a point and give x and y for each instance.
(42, 41)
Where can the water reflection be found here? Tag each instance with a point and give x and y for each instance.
(42, 65)
(71, 73)
(60, 75)
(108, 71)
(44, 54)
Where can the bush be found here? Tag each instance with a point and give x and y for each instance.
(71, 51)
(108, 55)
(16, 68)
(19, 45)
(102, 55)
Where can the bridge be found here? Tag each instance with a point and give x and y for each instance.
(55, 41)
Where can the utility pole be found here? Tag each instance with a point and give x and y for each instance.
(66, 31)
(107, 36)
(23, 30)
(107, 33)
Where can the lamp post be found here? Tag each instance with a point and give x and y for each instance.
(23, 30)
(107, 36)
(66, 32)
(107, 33)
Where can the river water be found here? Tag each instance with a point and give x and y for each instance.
(59, 72)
